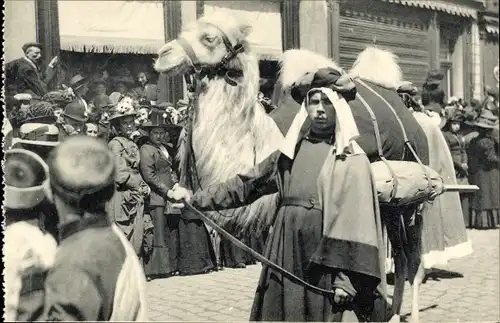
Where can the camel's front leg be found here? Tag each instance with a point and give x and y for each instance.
(417, 281)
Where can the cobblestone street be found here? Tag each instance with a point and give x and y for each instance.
(446, 296)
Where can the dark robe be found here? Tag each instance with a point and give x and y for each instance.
(485, 173)
(296, 241)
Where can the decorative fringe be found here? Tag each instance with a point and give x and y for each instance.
(112, 46)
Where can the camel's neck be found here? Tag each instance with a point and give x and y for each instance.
(226, 130)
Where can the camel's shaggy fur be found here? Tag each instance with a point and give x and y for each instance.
(294, 63)
(232, 132)
(378, 66)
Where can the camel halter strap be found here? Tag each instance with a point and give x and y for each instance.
(219, 69)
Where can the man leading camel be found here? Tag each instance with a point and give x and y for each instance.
(322, 233)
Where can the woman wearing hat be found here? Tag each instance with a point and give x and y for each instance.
(126, 207)
(457, 145)
(156, 167)
(484, 171)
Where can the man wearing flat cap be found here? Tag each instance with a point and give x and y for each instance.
(321, 174)
(24, 75)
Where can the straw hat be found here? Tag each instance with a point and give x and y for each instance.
(26, 174)
(39, 134)
(486, 120)
(124, 108)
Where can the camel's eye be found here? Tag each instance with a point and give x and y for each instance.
(210, 39)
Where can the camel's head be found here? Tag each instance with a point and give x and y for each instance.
(208, 39)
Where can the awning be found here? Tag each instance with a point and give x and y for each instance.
(450, 8)
(490, 24)
(492, 30)
(265, 18)
(111, 26)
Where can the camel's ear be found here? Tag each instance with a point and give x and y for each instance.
(246, 30)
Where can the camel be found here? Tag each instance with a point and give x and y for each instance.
(231, 132)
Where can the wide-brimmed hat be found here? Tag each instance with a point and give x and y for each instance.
(23, 97)
(408, 88)
(452, 114)
(486, 119)
(122, 109)
(76, 111)
(157, 119)
(77, 81)
(38, 134)
(434, 78)
(26, 174)
(102, 101)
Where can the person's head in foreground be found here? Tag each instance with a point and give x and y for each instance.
(82, 174)
(25, 175)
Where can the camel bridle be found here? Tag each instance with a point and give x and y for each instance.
(220, 69)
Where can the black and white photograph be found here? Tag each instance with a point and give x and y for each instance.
(253, 160)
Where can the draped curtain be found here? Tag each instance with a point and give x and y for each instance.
(111, 26)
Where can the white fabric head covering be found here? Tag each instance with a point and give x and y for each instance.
(346, 129)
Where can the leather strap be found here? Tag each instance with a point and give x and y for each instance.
(407, 142)
(264, 260)
(379, 144)
(257, 255)
(297, 201)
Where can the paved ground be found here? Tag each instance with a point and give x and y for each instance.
(467, 290)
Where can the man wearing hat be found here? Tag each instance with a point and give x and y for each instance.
(316, 233)
(79, 84)
(28, 252)
(96, 276)
(24, 74)
(74, 117)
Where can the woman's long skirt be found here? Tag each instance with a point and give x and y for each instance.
(162, 260)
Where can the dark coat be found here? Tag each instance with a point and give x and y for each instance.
(484, 172)
(156, 170)
(458, 153)
(29, 79)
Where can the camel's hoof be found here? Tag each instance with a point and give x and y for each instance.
(395, 318)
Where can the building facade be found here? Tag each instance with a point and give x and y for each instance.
(489, 34)
(459, 37)
(424, 34)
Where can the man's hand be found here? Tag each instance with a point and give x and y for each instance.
(341, 297)
(465, 167)
(54, 61)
